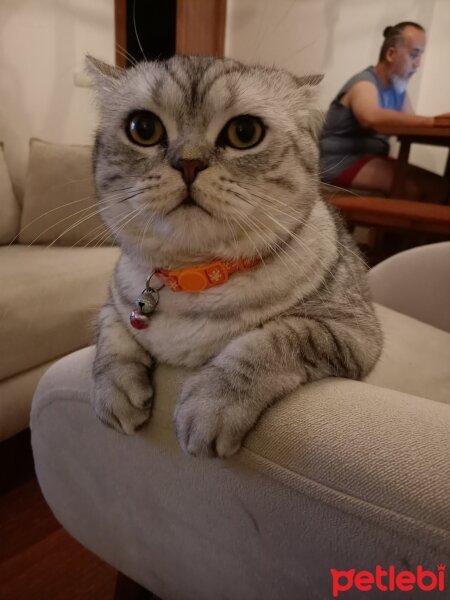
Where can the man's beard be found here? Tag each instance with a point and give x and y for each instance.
(400, 83)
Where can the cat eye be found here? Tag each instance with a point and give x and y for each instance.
(243, 132)
(144, 128)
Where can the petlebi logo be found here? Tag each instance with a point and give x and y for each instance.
(388, 580)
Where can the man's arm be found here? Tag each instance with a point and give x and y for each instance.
(362, 99)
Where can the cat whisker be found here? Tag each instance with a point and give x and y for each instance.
(128, 188)
(274, 27)
(117, 227)
(148, 222)
(278, 251)
(273, 246)
(95, 205)
(294, 265)
(51, 211)
(347, 191)
(77, 223)
(126, 54)
(101, 229)
(294, 211)
(239, 224)
(297, 238)
(136, 31)
(95, 210)
(146, 189)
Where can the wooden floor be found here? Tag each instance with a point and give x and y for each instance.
(38, 559)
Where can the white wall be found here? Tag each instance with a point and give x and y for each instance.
(340, 38)
(434, 93)
(42, 45)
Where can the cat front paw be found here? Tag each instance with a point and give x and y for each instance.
(211, 418)
(122, 397)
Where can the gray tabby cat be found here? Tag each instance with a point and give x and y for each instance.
(198, 159)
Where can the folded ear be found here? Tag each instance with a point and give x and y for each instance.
(309, 80)
(310, 89)
(102, 75)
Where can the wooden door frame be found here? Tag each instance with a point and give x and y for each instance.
(200, 28)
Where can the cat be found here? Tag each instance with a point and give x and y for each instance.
(204, 161)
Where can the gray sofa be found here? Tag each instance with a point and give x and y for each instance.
(341, 475)
(53, 276)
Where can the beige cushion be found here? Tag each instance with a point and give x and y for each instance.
(415, 357)
(9, 208)
(16, 394)
(48, 302)
(340, 474)
(416, 282)
(59, 197)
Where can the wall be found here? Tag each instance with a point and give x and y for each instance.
(434, 93)
(42, 45)
(341, 37)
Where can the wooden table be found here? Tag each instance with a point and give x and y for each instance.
(434, 136)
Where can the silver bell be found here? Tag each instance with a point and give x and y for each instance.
(147, 302)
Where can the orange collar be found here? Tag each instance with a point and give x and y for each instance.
(197, 279)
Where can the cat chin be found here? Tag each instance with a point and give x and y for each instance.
(189, 233)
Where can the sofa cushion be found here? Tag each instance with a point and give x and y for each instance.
(416, 282)
(9, 208)
(49, 299)
(59, 197)
(340, 475)
(16, 394)
(415, 357)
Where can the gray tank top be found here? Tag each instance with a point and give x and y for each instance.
(343, 140)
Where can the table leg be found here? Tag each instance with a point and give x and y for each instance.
(396, 190)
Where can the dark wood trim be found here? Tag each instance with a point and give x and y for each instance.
(38, 559)
(201, 27)
(16, 460)
(120, 21)
(406, 215)
(127, 589)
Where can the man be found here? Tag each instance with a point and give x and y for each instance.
(352, 153)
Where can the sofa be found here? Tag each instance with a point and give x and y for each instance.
(335, 482)
(55, 262)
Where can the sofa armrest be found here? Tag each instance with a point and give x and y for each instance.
(341, 474)
(416, 282)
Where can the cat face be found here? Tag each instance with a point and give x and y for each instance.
(204, 157)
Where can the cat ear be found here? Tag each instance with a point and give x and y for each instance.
(309, 80)
(309, 85)
(101, 74)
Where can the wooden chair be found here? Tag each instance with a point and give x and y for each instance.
(391, 213)
(414, 221)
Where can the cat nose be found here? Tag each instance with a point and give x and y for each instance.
(189, 168)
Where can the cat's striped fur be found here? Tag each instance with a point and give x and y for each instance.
(302, 314)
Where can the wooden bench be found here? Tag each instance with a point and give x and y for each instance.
(390, 213)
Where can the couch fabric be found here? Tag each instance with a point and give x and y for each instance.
(341, 474)
(50, 291)
(416, 282)
(59, 197)
(9, 207)
(48, 305)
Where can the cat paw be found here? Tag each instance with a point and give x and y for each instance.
(122, 399)
(210, 418)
